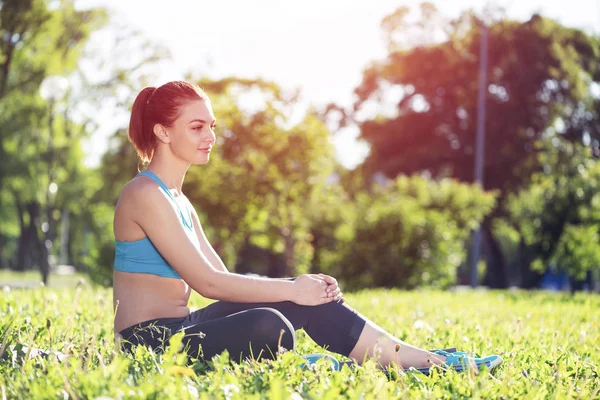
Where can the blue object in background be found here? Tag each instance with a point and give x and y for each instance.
(555, 281)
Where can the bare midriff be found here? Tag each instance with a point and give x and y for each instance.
(142, 297)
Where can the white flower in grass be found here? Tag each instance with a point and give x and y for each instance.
(193, 390)
(420, 324)
(229, 390)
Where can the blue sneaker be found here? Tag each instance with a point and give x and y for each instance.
(461, 361)
(311, 360)
(445, 353)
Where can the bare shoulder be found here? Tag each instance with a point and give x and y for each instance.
(136, 189)
(139, 196)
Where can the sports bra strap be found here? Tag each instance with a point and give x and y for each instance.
(156, 179)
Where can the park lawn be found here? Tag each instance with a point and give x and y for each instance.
(550, 343)
(32, 279)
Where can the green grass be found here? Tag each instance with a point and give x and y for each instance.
(550, 344)
(31, 279)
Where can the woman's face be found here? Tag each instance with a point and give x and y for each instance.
(192, 135)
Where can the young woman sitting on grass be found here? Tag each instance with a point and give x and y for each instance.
(162, 255)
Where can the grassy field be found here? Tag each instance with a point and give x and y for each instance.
(32, 279)
(550, 343)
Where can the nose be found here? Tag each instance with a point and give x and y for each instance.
(213, 137)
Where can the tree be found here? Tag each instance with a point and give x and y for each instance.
(412, 232)
(40, 147)
(557, 213)
(540, 75)
(36, 42)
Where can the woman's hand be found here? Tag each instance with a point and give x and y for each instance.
(333, 289)
(313, 290)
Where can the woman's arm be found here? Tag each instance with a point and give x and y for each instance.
(154, 213)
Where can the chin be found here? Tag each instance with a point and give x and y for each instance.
(200, 162)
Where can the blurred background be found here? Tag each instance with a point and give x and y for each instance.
(387, 143)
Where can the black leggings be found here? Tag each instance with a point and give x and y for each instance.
(251, 330)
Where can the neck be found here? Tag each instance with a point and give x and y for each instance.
(171, 173)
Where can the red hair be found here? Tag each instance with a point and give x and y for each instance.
(158, 106)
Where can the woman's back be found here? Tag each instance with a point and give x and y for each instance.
(145, 285)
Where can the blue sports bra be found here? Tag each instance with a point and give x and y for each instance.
(141, 256)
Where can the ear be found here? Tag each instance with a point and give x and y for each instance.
(161, 133)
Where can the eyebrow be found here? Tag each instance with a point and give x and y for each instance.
(200, 120)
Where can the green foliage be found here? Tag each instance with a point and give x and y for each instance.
(332, 215)
(557, 213)
(417, 108)
(40, 145)
(539, 71)
(578, 250)
(412, 232)
(41, 142)
(548, 342)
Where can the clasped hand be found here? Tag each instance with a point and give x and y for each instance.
(315, 289)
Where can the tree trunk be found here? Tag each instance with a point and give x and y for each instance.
(6, 67)
(3, 261)
(288, 252)
(23, 260)
(528, 278)
(315, 265)
(495, 274)
(24, 254)
(275, 269)
(33, 209)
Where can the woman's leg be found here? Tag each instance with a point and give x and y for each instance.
(333, 325)
(257, 333)
(375, 342)
(340, 329)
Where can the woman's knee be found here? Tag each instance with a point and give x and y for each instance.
(331, 308)
(273, 327)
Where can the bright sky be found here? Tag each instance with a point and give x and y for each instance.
(321, 46)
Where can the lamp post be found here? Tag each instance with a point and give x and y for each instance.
(52, 89)
(480, 141)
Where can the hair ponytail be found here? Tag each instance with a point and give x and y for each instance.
(141, 136)
(158, 106)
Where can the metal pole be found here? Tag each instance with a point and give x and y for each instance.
(64, 236)
(480, 141)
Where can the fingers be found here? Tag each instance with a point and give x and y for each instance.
(330, 289)
(332, 284)
(333, 291)
(325, 300)
(330, 280)
(329, 297)
(336, 295)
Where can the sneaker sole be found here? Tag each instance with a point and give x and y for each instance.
(495, 363)
(491, 366)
